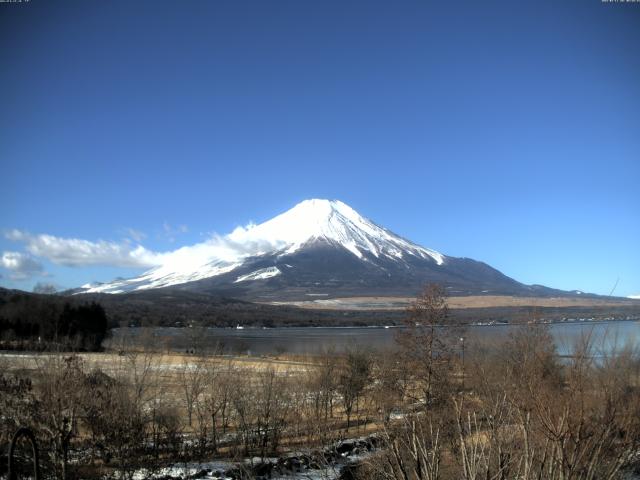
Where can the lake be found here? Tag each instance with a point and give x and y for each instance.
(606, 335)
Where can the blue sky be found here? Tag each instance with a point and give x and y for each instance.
(508, 132)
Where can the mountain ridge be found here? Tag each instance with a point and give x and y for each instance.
(319, 247)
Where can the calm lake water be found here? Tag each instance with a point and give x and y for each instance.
(606, 337)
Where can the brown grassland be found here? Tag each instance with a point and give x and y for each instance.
(470, 301)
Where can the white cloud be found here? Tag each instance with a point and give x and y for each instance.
(75, 252)
(635, 297)
(21, 265)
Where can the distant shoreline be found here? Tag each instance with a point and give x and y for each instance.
(251, 328)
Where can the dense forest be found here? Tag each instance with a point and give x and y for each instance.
(39, 322)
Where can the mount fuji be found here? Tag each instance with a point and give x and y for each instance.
(317, 249)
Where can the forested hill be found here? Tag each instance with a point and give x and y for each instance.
(38, 321)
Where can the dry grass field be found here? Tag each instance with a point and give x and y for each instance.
(473, 301)
(167, 366)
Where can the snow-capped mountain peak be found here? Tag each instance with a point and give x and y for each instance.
(332, 220)
(327, 221)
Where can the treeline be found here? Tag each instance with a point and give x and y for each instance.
(172, 307)
(41, 322)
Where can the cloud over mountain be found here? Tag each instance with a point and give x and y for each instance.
(22, 266)
(75, 252)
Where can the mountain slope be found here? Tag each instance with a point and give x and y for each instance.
(318, 248)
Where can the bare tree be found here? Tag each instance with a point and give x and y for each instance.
(388, 386)
(426, 349)
(414, 452)
(241, 396)
(213, 410)
(353, 378)
(59, 390)
(192, 377)
(323, 384)
(272, 406)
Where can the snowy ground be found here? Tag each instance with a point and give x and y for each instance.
(289, 467)
(215, 471)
